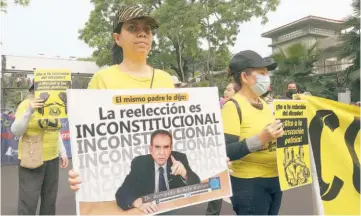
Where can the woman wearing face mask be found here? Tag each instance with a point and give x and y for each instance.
(291, 90)
(250, 142)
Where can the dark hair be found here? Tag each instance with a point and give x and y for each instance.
(117, 51)
(298, 90)
(236, 87)
(265, 94)
(18, 103)
(291, 82)
(31, 89)
(161, 132)
(237, 76)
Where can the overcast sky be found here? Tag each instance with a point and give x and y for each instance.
(51, 26)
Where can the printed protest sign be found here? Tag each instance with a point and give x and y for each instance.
(132, 148)
(293, 158)
(334, 130)
(51, 85)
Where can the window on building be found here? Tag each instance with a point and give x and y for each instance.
(323, 31)
(290, 35)
(331, 65)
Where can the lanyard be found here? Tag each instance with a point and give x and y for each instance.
(151, 82)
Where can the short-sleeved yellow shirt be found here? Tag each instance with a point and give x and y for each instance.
(51, 132)
(113, 78)
(262, 163)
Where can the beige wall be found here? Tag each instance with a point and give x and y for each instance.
(307, 41)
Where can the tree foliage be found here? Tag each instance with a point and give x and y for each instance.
(296, 63)
(185, 27)
(351, 50)
(4, 4)
(14, 91)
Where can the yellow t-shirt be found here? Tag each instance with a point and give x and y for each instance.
(51, 132)
(112, 78)
(262, 163)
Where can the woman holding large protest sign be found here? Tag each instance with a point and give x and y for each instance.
(40, 144)
(132, 33)
(250, 141)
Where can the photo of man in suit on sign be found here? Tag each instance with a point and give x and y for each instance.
(161, 170)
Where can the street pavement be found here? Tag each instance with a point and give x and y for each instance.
(295, 202)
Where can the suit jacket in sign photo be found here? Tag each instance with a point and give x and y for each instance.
(141, 179)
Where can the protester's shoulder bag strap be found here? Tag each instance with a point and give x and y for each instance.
(151, 82)
(238, 110)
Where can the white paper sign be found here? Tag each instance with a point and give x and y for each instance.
(111, 129)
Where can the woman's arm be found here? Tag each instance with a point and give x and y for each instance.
(235, 148)
(23, 115)
(62, 150)
(238, 149)
(20, 124)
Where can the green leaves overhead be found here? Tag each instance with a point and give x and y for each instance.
(4, 4)
(296, 63)
(350, 50)
(187, 27)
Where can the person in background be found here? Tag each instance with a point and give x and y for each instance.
(177, 83)
(291, 90)
(43, 180)
(250, 133)
(229, 91)
(11, 114)
(221, 101)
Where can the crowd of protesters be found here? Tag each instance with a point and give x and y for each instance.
(249, 124)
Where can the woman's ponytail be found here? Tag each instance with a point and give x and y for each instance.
(117, 51)
(117, 54)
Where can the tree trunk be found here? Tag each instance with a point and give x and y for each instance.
(179, 59)
(211, 83)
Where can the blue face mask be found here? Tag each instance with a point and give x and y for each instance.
(262, 85)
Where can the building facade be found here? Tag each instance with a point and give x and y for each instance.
(308, 31)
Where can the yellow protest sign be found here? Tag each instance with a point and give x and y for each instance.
(293, 158)
(51, 85)
(334, 130)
